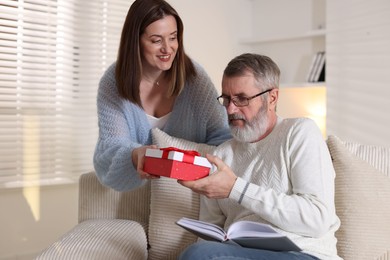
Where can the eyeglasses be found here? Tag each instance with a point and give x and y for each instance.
(239, 101)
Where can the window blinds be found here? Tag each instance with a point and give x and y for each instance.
(52, 55)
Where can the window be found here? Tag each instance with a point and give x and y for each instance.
(52, 55)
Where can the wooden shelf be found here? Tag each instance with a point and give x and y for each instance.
(293, 42)
(302, 84)
(310, 34)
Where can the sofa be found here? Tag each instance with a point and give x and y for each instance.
(140, 224)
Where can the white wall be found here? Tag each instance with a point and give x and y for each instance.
(283, 18)
(212, 29)
(358, 68)
(33, 217)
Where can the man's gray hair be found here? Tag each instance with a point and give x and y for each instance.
(263, 68)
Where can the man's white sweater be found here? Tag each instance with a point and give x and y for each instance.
(286, 180)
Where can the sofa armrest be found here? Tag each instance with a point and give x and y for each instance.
(100, 239)
(99, 202)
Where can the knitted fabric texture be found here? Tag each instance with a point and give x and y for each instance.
(123, 126)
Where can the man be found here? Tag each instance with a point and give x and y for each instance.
(275, 171)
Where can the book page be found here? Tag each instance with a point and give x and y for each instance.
(251, 229)
(244, 233)
(200, 227)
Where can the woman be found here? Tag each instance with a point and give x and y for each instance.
(152, 84)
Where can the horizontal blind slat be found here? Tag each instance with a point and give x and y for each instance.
(52, 55)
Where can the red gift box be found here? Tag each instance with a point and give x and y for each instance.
(175, 163)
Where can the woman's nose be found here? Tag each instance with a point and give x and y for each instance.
(165, 46)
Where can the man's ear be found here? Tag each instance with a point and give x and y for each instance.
(273, 98)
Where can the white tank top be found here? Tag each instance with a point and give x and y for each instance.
(158, 122)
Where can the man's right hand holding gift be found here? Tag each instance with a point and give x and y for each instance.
(217, 185)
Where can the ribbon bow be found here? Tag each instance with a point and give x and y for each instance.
(189, 155)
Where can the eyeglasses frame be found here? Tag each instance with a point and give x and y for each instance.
(232, 99)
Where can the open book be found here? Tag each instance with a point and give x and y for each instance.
(244, 233)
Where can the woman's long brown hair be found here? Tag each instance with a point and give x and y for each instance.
(128, 71)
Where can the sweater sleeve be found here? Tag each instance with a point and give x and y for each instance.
(308, 209)
(117, 138)
(217, 124)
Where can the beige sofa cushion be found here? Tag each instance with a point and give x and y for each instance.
(169, 202)
(362, 198)
(378, 157)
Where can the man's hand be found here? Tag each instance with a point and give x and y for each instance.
(216, 186)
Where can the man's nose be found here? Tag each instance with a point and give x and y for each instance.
(231, 108)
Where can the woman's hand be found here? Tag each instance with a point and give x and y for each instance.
(138, 157)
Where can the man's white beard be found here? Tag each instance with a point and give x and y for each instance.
(253, 130)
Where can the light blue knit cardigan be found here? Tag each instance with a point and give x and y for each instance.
(196, 116)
